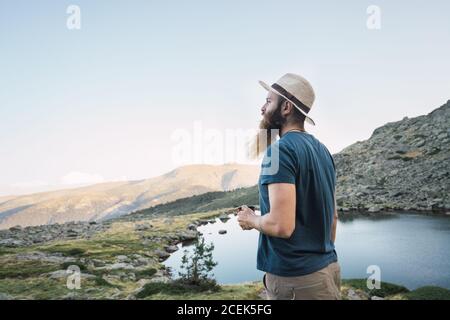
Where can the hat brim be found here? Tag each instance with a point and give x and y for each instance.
(269, 88)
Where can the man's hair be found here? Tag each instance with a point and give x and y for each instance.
(297, 115)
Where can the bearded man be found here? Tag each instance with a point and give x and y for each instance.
(298, 217)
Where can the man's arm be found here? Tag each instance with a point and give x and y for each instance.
(335, 218)
(280, 221)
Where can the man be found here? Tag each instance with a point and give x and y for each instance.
(297, 199)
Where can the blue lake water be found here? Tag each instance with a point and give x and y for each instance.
(410, 249)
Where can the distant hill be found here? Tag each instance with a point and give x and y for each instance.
(109, 200)
(201, 203)
(404, 165)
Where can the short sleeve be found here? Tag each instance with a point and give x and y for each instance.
(278, 165)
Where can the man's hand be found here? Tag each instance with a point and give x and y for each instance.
(246, 218)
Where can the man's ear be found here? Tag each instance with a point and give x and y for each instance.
(287, 107)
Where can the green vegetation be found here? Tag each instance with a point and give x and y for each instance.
(24, 269)
(28, 278)
(178, 287)
(242, 291)
(427, 293)
(146, 273)
(386, 288)
(66, 265)
(197, 268)
(209, 201)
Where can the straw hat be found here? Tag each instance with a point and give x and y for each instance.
(295, 89)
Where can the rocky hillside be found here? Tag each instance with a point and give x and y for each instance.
(109, 200)
(404, 165)
(125, 260)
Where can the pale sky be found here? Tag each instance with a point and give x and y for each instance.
(101, 103)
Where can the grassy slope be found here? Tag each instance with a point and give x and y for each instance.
(202, 203)
(26, 279)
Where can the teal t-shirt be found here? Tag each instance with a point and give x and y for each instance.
(307, 163)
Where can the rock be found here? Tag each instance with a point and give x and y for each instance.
(72, 233)
(141, 284)
(143, 227)
(376, 298)
(168, 221)
(4, 296)
(141, 261)
(117, 266)
(224, 218)
(192, 227)
(20, 237)
(352, 295)
(188, 235)
(60, 274)
(45, 257)
(12, 243)
(202, 222)
(222, 231)
(403, 165)
(163, 279)
(162, 254)
(98, 263)
(122, 258)
(171, 249)
(70, 296)
(116, 295)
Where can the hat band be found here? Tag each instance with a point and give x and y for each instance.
(283, 91)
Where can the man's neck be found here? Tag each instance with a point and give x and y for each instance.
(289, 127)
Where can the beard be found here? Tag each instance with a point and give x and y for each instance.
(269, 129)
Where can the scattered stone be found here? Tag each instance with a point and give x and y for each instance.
(171, 249)
(12, 243)
(117, 266)
(45, 257)
(192, 227)
(404, 165)
(4, 296)
(61, 274)
(98, 263)
(163, 279)
(188, 235)
(143, 227)
(122, 258)
(22, 237)
(224, 218)
(351, 294)
(162, 254)
(222, 231)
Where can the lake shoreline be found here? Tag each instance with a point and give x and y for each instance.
(387, 212)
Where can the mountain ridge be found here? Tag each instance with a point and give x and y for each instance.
(109, 200)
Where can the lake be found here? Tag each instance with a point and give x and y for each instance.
(410, 249)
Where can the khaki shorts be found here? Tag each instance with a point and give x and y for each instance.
(324, 284)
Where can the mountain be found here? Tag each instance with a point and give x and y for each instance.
(404, 165)
(109, 200)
